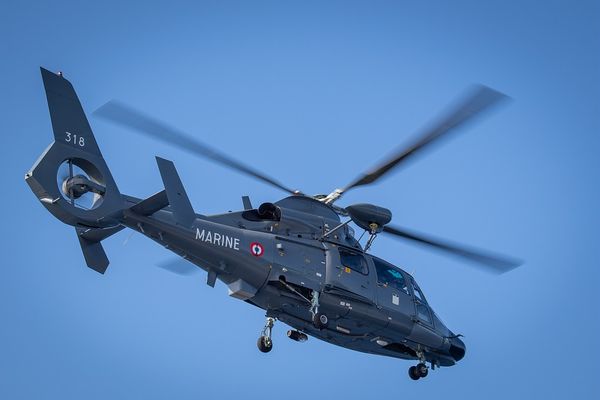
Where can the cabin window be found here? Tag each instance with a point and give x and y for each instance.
(423, 313)
(390, 276)
(353, 260)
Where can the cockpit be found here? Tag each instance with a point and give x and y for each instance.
(404, 289)
(395, 292)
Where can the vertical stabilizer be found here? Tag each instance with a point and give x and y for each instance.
(178, 200)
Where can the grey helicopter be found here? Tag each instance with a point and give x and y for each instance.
(296, 258)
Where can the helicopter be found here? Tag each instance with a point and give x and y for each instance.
(296, 258)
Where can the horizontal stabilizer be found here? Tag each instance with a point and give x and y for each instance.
(178, 200)
(152, 204)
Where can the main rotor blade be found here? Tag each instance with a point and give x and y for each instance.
(495, 263)
(179, 266)
(130, 118)
(477, 100)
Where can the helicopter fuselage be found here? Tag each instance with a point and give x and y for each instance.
(279, 265)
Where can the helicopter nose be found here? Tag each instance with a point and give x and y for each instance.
(457, 349)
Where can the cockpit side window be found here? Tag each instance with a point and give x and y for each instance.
(388, 275)
(353, 260)
(418, 294)
(423, 311)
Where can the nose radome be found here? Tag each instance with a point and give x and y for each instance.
(457, 349)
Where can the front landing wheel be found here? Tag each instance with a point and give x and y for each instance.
(413, 373)
(264, 344)
(422, 370)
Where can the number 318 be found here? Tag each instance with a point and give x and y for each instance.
(76, 140)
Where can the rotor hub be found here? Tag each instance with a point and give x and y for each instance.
(78, 186)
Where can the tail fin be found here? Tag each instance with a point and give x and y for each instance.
(71, 179)
(69, 122)
(178, 199)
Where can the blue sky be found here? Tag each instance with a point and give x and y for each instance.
(313, 93)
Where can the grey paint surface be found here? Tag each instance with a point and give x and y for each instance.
(275, 262)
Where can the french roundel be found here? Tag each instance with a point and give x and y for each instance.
(257, 249)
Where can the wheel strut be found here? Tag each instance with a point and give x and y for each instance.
(265, 343)
(319, 319)
(314, 303)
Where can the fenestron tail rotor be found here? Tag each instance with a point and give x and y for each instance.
(77, 186)
(65, 172)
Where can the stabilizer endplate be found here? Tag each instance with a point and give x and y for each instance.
(178, 199)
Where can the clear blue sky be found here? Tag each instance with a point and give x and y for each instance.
(313, 93)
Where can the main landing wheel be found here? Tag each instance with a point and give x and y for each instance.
(264, 344)
(422, 370)
(412, 372)
(418, 371)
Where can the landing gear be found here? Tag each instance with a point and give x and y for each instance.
(319, 319)
(264, 342)
(297, 335)
(418, 371)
